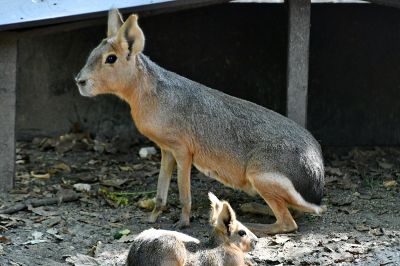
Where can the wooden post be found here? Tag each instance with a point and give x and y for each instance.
(297, 64)
(8, 69)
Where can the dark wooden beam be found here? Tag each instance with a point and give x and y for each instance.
(297, 64)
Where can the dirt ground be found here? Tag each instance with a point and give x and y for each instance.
(361, 226)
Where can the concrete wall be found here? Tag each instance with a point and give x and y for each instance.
(241, 50)
(48, 102)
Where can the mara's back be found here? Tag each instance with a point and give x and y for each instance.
(169, 250)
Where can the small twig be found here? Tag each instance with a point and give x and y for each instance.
(133, 193)
(40, 202)
(3, 228)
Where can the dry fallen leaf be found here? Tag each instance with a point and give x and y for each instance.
(4, 239)
(361, 227)
(81, 187)
(95, 249)
(61, 167)
(54, 232)
(40, 175)
(385, 165)
(333, 171)
(390, 183)
(147, 204)
(376, 231)
(115, 182)
(43, 211)
(92, 162)
(138, 166)
(281, 239)
(82, 260)
(52, 221)
(37, 238)
(88, 178)
(125, 168)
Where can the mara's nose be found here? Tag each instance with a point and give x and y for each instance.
(80, 82)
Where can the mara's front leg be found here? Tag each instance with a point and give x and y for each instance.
(164, 179)
(184, 163)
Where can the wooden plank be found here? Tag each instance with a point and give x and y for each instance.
(22, 13)
(297, 62)
(8, 68)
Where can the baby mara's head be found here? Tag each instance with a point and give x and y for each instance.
(227, 228)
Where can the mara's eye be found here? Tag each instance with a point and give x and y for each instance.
(111, 59)
(241, 233)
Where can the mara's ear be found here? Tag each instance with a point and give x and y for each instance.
(131, 36)
(114, 22)
(216, 206)
(215, 202)
(226, 218)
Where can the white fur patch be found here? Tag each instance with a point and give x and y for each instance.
(151, 234)
(284, 182)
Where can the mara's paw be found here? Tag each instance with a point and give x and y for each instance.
(154, 216)
(182, 223)
(322, 209)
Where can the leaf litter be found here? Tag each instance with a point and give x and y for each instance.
(361, 225)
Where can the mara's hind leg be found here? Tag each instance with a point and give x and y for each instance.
(284, 220)
(279, 192)
(164, 179)
(257, 208)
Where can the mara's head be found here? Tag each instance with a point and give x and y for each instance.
(230, 230)
(111, 66)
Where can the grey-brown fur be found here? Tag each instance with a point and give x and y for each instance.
(167, 250)
(252, 133)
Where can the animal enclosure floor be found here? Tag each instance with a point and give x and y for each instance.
(360, 227)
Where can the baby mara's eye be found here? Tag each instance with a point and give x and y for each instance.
(241, 233)
(111, 59)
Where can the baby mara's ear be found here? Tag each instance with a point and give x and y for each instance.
(114, 22)
(216, 207)
(222, 216)
(226, 219)
(215, 202)
(130, 36)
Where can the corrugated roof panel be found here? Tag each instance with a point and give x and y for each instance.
(16, 14)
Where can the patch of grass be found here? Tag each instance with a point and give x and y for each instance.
(123, 198)
(370, 182)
